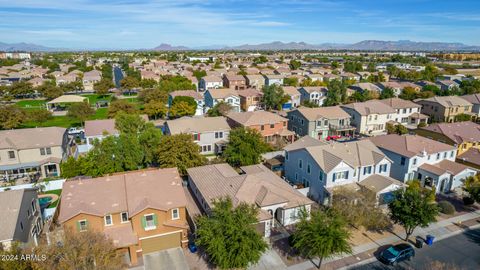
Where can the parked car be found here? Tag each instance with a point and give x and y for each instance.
(75, 131)
(397, 253)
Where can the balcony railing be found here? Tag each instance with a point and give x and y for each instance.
(341, 127)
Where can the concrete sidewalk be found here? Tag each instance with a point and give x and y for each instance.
(364, 253)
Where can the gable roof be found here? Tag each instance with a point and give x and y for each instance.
(187, 93)
(447, 101)
(355, 154)
(222, 93)
(333, 112)
(409, 145)
(474, 98)
(258, 185)
(398, 103)
(255, 118)
(305, 141)
(378, 182)
(445, 166)
(30, 138)
(458, 132)
(130, 192)
(197, 124)
(370, 107)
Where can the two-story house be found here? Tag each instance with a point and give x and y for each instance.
(33, 152)
(444, 108)
(319, 123)
(250, 99)
(21, 217)
(197, 96)
(271, 126)
(210, 82)
(417, 157)
(255, 81)
(475, 100)
(407, 112)
(324, 166)
(236, 82)
(229, 96)
(314, 94)
(271, 79)
(370, 117)
(295, 97)
(140, 211)
(277, 200)
(210, 133)
(90, 78)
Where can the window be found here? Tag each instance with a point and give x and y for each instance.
(108, 220)
(218, 135)
(124, 217)
(196, 137)
(300, 164)
(308, 168)
(382, 168)
(284, 124)
(11, 154)
(42, 151)
(367, 170)
(82, 225)
(49, 150)
(272, 125)
(320, 177)
(452, 154)
(175, 213)
(262, 127)
(206, 148)
(149, 222)
(34, 206)
(402, 161)
(445, 155)
(325, 122)
(438, 156)
(340, 175)
(21, 225)
(429, 157)
(415, 161)
(286, 155)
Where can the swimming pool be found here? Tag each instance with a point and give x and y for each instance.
(44, 201)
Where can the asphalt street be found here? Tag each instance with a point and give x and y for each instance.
(462, 251)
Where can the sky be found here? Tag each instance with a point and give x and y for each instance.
(136, 24)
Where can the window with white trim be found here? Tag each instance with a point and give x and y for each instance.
(108, 220)
(82, 224)
(149, 221)
(124, 217)
(175, 213)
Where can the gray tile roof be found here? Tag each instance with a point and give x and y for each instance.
(197, 124)
(31, 138)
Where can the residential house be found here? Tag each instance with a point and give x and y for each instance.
(444, 108)
(447, 85)
(21, 220)
(366, 86)
(236, 82)
(313, 94)
(33, 152)
(407, 112)
(255, 81)
(320, 123)
(370, 117)
(475, 100)
(140, 211)
(271, 79)
(229, 96)
(90, 78)
(462, 135)
(271, 126)
(323, 167)
(197, 96)
(276, 199)
(250, 99)
(315, 77)
(69, 78)
(210, 133)
(417, 157)
(210, 82)
(295, 97)
(149, 75)
(36, 82)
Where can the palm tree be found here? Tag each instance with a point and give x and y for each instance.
(324, 235)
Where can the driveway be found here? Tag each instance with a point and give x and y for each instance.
(169, 259)
(270, 260)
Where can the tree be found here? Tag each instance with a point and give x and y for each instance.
(220, 109)
(396, 129)
(182, 108)
(309, 104)
(130, 82)
(149, 140)
(471, 86)
(228, 235)
(412, 208)
(21, 88)
(50, 91)
(274, 97)
(72, 167)
(121, 106)
(324, 235)
(11, 116)
(39, 116)
(15, 251)
(153, 94)
(148, 83)
(462, 117)
(472, 187)
(199, 74)
(292, 81)
(129, 123)
(155, 109)
(336, 94)
(408, 93)
(388, 92)
(103, 86)
(295, 64)
(179, 151)
(245, 147)
(80, 111)
(86, 250)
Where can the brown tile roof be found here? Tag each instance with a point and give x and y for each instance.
(398, 103)
(122, 235)
(310, 89)
(472, 155)
(370, 107)
(187, 93)
(305, 141)
(222, 93)
(250, 93)
(458, 132)
(99, 127)
(30, 138)
(255, 118)
(197, 124)
(258, 185)
(333, 112)
(130, 192)
(447, 101)
(377, 182)
(444, 166)
(474, 98)
(291, 90)
(410, 145)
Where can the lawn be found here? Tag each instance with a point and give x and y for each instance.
(57, 192)
(93, 98)
(65, 121)
(31, 103)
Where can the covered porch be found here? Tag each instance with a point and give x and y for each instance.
(342, 130)
(417, 118)
(444, 176)
(30, 172)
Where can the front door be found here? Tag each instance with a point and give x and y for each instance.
(442, 185)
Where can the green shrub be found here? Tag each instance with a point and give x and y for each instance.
(446, 207)
(468, 200)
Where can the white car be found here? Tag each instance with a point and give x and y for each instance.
(75, 131)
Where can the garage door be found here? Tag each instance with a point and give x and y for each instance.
(161, 243)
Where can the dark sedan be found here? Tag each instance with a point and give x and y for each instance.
(397, 253)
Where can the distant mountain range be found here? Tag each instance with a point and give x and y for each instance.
(366, 45)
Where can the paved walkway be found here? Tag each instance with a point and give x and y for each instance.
(364, 253)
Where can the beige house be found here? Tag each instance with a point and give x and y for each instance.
(445, 108)
(370, 117)
(33, 152)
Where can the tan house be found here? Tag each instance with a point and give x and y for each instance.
(250, 99)
(33, 152)
(273, 127)
(141, 211)
(444, 108)
(234, 81)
